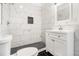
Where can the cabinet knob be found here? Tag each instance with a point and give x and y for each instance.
(59, 36)
(52, 40)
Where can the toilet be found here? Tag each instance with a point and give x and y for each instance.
(29, 51)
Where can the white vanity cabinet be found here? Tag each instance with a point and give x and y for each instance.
(60, 47)
(50, 44)
(60, 43)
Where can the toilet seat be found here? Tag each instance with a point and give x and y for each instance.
(29, 51)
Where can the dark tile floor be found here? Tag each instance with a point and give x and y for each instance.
(38, 45)
(44, 53)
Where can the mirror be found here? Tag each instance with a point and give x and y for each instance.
(63, 12)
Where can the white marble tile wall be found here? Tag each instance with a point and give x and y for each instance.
(5, 17)
(23, 33)
(48, 18)
(26, 33)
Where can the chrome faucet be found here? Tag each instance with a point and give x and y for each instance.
(60, 27)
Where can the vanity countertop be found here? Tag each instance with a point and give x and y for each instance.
(63, 31)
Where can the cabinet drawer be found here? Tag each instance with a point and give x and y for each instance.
(61, 36)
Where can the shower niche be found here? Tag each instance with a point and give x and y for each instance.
(30, 20)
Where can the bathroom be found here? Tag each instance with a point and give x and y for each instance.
(39, 29)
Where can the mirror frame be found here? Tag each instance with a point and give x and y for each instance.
(62, 22)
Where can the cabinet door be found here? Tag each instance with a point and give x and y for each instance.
(60, 47)
(50, 45)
